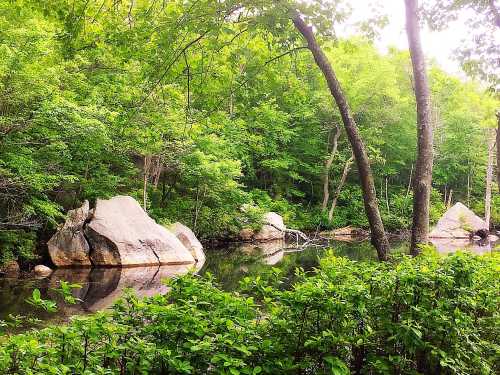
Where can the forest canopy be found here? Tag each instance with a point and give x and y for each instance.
(196, 108)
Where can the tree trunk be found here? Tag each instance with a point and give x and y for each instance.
(489, 176)
(423, 169)
(409, 182)
(379, 239)
(345, 172)
(328, 167)
(498, 149)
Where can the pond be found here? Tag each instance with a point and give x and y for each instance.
(101, 287)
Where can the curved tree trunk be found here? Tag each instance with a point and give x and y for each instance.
(345, 172)
(328, 167)
(379, 239)
(423, 169)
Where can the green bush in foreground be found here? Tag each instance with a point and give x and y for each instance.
(432, 315)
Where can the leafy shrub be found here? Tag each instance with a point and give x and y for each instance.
(16, 245)
(424, 315)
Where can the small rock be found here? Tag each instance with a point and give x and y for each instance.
(41, 270)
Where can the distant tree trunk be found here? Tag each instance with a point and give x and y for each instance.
(450, 196)
(409, 182)
(489, 176)
(328, 167)
(423, 169)
(498, 149)
(146, 167)
(345, 172)
(379, 239)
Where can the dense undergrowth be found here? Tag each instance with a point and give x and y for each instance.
(430, 314)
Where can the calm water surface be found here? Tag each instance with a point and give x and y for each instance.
(102, 286)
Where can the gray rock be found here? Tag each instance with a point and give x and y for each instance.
(122, 234)
(273, 228)
(68, 247)
(41, 270)
(189, 240)
(458, 222)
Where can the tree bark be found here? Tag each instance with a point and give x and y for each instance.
(328, 167)
(345, 172)
(423, 168)
(378, 236)
(498, 149)
(489, 176)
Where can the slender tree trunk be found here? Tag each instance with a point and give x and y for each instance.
(387, 194)
(489, 176)
(328, 167)
(409, 182)
(147, 167)
(345, 172)
(498, 149)
(423, 169)
(379, 239)
(450, 196)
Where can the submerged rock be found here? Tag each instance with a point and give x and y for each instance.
(41, 270)
(122, 234)
(273, 228)
(189, 240)
(68, 247)
(458, 222)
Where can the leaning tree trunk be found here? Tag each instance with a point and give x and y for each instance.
(328, 167)
(379, 239)
(423, 169)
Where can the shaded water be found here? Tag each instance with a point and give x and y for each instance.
(102, 286)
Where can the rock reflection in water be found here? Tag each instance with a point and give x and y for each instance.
(451, 245)
(272, 252)
(101, 287)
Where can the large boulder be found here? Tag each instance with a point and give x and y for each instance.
(68, 247)
(458, 222)
(189, 240)
(273, 228)
(122, 234)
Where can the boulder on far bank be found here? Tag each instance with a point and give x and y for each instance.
(42, 271)
(273, 228)
(189, 240)
(458, 222)
(68, 247)
(122, 234)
